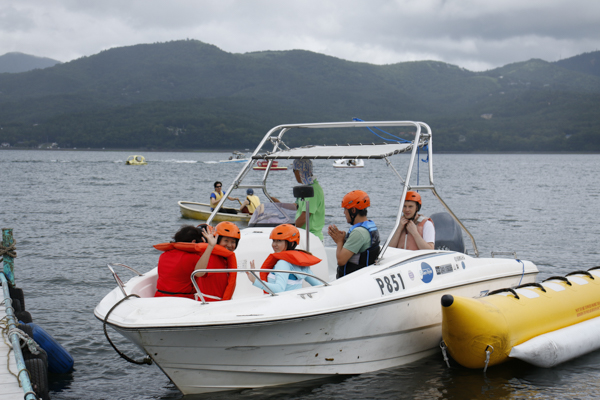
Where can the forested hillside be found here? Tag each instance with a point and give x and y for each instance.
(192, 95)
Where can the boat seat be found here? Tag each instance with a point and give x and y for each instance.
(448, 233)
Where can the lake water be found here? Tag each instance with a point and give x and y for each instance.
(73, 212)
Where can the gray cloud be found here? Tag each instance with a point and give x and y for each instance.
(473, 34)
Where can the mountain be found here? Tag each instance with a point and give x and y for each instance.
(588, 63)
(192, 95)
(18, 62)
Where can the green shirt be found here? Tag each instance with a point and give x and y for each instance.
(316, 210)
(358, 241)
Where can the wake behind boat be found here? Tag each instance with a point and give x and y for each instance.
(381, 316)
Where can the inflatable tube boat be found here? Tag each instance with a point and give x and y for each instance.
(541, 324)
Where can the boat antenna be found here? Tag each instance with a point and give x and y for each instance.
(302, 192)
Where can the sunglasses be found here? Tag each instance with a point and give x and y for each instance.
(217, 187)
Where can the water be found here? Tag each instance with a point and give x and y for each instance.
(73, 212)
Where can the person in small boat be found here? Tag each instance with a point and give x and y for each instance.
(360, 246)
(196, 248)
(216, 196)
(303, 170)
(416, 232)
(251, 203)
(285, 239)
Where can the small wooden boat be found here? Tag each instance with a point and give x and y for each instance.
(262, 165)
(350, 163)
(202, 211)
(135, 160)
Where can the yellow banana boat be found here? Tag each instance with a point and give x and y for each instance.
(482, 332)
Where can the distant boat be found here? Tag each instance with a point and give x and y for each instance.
(135, 160)
(262, 165)
(202, 211)
(351, 163)
(236, 157)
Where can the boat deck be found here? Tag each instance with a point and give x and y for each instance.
(9, 384)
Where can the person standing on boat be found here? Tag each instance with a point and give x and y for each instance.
(303, 170)
(185, 255)
(216, 196)
(285, 239)
(416, 232)
(251, 203)
(360, 246)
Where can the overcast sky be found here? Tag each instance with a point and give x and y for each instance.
(474, 34)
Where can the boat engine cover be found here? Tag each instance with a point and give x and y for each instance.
(448, 234)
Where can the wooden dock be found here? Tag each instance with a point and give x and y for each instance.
(9, 384)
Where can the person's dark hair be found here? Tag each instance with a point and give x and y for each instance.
(217, 183)
(290, 245)
(362, 213)
(187, 234)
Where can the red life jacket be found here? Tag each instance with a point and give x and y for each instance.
(296, 257)
(199, 248)
(411, 244)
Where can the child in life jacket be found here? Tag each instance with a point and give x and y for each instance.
(285, 239)
(196, 248)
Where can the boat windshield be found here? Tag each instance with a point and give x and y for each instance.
(273, 214)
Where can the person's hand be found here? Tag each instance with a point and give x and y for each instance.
(211, 238)
(337, 235)
(412, 228)
(249, 274)
(403, 221)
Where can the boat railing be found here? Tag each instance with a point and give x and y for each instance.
(253, 271)
(117, 279)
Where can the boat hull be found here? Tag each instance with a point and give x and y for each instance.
(201, 211)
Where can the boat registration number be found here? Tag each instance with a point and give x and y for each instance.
(389, 284)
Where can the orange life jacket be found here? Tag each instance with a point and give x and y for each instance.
(296, 257)
(405, 237)
(199, 248)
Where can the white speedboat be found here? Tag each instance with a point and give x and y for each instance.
(381, 316)
(235, 157)
(352, 163)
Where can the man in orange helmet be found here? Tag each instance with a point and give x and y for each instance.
(360, 246)
(416, 232)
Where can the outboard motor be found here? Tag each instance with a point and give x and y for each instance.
(448, 234)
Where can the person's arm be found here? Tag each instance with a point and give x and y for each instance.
(281, 279)
(301, 220)
(411, 228)
(213, 200)
(342, 254)
(312, 281)
(232, 198)
(202, 263)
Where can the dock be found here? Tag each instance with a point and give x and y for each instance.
(9, 384)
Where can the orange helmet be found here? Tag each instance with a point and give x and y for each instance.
(356, 199)
(228, 229)
(411, 195)
(286, 232)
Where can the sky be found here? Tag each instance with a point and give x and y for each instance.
(474, 34)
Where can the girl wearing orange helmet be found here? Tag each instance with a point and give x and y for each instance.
(195, 248)
(416, 232)
(222, 241)
(285, 239)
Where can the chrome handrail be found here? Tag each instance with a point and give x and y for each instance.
(251, 270)
(117, 279)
